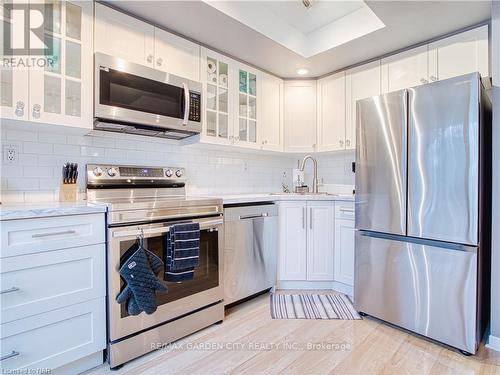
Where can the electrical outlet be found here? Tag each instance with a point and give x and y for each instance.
(11, 154)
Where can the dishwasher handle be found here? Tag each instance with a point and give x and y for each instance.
(264, 214)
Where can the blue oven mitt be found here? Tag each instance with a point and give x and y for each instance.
(138, 272)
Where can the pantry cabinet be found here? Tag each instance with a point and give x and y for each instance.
(271, 124)
(460, 54)
(361, 82)
(59, 91)
(406, 69)
(331, 113)
(300, 116)
(120, 35)
(306, 241)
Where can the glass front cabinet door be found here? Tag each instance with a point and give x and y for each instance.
(61, 91)
(246, 126)
(217, 78)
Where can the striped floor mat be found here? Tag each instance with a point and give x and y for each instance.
(312, 306)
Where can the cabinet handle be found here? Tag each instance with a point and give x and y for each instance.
(9, 290)
(303, 218)
(19, 109)
(159, 61)
(149, 58)
(36, 110)
(422, 80)
(348, 143)
(40, 235)
(346, 210)
(341, 143)
(433, 78)
(7, 356)
(311, 218)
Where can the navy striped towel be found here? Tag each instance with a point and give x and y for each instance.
(181, 251)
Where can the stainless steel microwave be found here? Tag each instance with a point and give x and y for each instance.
(132, 98)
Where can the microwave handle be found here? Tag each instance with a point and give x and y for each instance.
(186, 104)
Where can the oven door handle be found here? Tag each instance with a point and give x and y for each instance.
(204, 225)
(186, 104)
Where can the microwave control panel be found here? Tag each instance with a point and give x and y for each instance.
(194, 106)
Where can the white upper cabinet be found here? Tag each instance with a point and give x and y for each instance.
(247, 125)
(300, 116)
(406, 69)
(361, 82)
(176, 55)
(219, 92)
(120, 35)
(331, 113)
(62, 93)
(460, 54)
(14, 82)
(272, 113)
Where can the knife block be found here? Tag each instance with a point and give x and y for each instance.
(68, 193)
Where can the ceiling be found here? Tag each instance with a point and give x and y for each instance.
(406, 23)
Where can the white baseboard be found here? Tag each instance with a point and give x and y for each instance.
(493, 343)
(80, 365)
(312, 285)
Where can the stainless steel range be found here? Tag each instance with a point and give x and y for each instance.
(144, 202)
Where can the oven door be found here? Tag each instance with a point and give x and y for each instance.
(182, 297)
(132, 93)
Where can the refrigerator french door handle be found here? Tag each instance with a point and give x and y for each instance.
(420, 241)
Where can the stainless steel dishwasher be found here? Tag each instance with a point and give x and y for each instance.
(250, 250)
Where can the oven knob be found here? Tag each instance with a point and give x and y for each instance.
(97, 171)
(178, 173)
(112, 172)
(168, 173)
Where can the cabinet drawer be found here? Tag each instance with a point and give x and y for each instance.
(344, 210)
(55, 338)
(36, 283)
(51, 233)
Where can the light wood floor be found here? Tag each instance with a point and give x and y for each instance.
(370, 347)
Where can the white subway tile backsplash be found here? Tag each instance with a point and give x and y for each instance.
(38, 148)
(211, 170)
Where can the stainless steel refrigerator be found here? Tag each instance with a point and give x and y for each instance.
(422, 209)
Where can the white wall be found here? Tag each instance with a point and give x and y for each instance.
(210, 169)
(495, 269)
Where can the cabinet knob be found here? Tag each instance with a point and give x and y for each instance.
(36, 110)
(423, 80)
(19, 108)
(433, 78)
(341, 143)
(149, 58)
(159, 61)
(347, 142)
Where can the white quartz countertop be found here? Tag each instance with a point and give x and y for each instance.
(274, 197)
(15, 211)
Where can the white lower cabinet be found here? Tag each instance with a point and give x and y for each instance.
(316, 248)
(320, 240)
(293, 241)
(53, 293)
(306, 241)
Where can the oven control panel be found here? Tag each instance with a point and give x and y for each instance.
(194, 106)
(110, 173)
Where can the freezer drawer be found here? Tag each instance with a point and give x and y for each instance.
(426, 289)
(250, 250)
(381, 132)
(443, 160)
